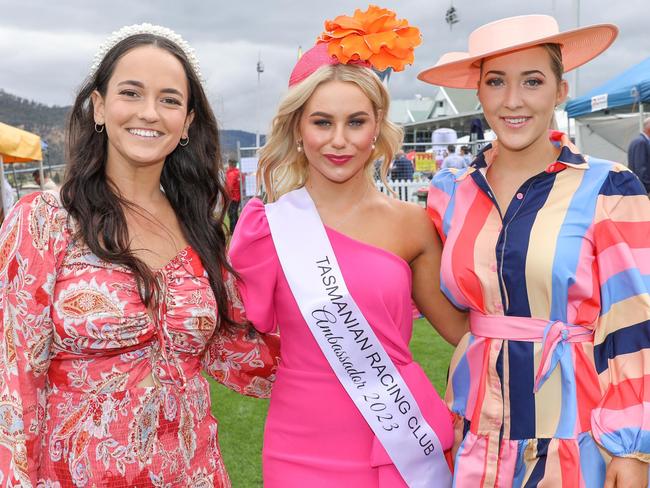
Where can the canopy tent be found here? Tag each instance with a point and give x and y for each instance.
(18, 146)
(631, 87)
(611, 115)
(608, 136)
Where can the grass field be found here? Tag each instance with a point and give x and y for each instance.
(241, 419)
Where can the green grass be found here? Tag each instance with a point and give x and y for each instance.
(241, 419)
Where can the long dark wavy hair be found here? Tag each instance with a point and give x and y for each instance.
(190, 179)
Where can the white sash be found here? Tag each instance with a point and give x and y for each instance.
(350, 345)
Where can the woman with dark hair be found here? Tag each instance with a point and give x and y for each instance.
(548, 249)
(116, 296)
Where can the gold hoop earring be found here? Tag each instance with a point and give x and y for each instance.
(187, 141)
(374, 140)
(101, 128)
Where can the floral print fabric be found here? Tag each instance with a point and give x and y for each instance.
(96, 390)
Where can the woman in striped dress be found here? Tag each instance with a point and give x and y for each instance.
(549, 251)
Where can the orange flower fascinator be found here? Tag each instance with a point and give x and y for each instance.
(374, 38)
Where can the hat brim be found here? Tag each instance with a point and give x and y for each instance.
(578, 47)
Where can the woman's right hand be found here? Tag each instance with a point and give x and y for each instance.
(626, 473)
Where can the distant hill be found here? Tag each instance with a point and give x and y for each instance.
(49, 123)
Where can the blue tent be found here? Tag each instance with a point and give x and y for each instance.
(630, 87)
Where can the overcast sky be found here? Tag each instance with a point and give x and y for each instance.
(47, 46)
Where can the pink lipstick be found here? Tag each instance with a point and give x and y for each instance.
(338, 159)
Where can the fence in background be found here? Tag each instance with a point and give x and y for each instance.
(406, 190)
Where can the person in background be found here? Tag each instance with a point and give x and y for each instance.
(453, 160)
(233, 187)
(47, 185)
(638, 155)
(402, 168)
(548, 249)
(466, 154)
(8, 195)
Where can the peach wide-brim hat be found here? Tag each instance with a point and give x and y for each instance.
(462, 69)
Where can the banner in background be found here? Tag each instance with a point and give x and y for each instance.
(425, 162)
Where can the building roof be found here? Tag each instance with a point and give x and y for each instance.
(463, 101)
(412, 110)
(444, 103)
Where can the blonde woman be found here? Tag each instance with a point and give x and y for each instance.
(327, 261)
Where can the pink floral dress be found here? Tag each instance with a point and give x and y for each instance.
(76, 342)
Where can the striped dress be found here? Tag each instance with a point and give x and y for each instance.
(552, 378)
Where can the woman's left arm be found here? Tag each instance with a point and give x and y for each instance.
(621, 420)
(239, 357)
(450, 322)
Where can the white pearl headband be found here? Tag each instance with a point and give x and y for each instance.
(156, 30)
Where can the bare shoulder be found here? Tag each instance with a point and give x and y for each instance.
(412, 225)
(402, 228)
(410, 214)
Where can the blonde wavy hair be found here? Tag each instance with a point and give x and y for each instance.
(282, 168)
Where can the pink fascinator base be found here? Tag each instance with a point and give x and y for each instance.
(313, 59)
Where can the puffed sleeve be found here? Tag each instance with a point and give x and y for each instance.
(240, 357)
(253, 257)
(621, 235)
(441, 192)
(31, 240)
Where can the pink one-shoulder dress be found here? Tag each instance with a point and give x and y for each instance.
(314, 434)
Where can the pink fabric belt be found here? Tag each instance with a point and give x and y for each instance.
(552, 334)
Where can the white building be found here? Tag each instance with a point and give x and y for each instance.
(448, 107)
